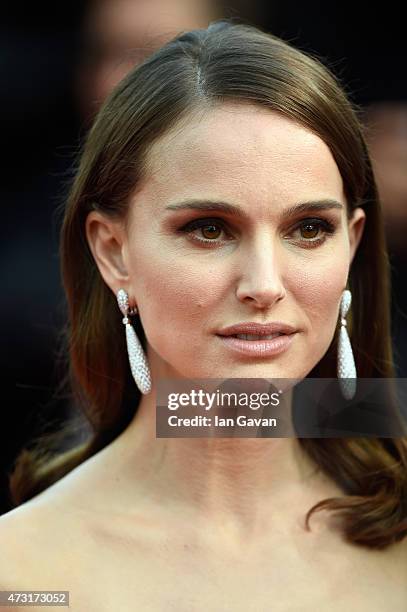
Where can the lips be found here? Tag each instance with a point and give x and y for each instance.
(256, 336)
(252, 328)
(257, 348)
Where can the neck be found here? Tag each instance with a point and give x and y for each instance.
(231, 485)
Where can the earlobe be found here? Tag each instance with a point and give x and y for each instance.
(106, 241)
(355, 229)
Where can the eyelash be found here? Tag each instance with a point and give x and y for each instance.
(327, 226)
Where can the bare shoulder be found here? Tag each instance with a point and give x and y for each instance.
(48, 520)
(53, 530)
(34, 539)
(43, 546)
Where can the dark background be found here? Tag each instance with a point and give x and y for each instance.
(41, 130)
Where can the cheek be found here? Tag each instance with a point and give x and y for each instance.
(173, 295)
(317, 291)
(316, 294)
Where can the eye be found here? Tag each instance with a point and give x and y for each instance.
(210, 229)
(313, 231)
(311, 228)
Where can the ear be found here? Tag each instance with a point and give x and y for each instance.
(106, 239)
(355, 230)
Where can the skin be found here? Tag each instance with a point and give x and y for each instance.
(205, 523)
(185, 292)
(263, 272)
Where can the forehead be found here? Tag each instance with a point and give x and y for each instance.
(243, 153)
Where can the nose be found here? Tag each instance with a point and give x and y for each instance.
(260, 282)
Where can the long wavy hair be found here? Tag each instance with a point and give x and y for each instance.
(228, 61)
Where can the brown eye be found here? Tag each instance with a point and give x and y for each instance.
(309, 230)
(210, 231)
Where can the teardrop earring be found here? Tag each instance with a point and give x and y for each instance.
(137, 358)
(346, 369)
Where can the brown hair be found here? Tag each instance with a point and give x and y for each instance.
(227, 61)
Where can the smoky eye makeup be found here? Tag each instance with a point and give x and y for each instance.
(215, 231)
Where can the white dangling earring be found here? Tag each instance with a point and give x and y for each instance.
(137, 358)
(346, 363)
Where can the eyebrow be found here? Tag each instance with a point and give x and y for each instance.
(231, 209)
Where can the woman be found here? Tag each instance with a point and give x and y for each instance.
(226, 180)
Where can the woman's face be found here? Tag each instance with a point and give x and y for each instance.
(192, 272)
